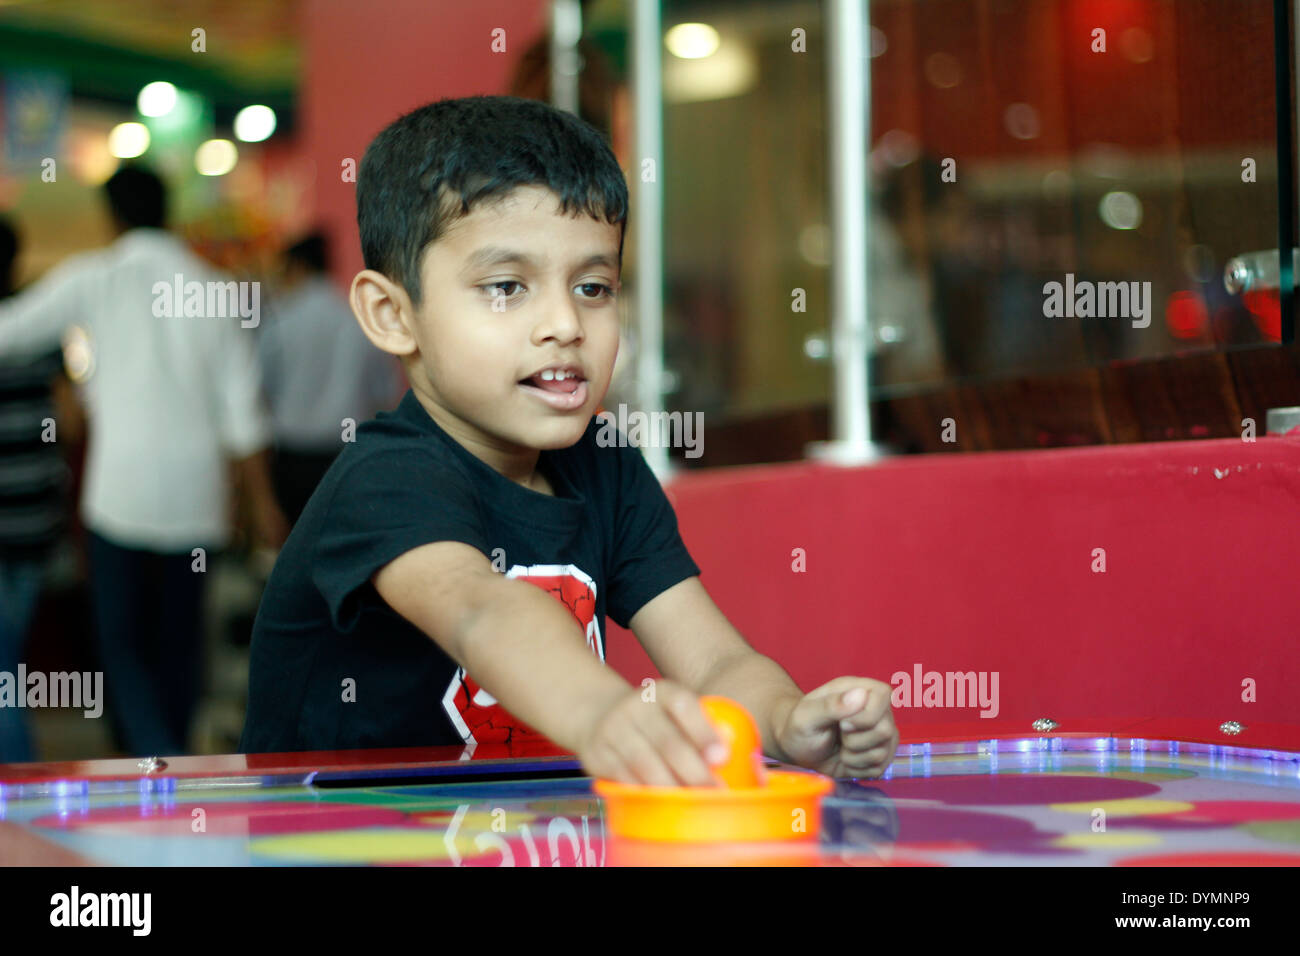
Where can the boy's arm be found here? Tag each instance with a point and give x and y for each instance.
(519, 643)
(690, 640)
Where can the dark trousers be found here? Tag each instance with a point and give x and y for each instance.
(295, 476)
(148, 632)
(20, 590)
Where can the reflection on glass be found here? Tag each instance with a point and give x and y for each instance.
(1014, 145)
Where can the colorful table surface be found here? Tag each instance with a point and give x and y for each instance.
(994, 797)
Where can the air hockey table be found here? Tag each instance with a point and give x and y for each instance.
(1074, 793)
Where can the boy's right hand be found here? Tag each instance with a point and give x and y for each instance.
(665, 742)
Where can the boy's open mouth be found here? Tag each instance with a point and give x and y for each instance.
(565, 386)
(565, 390)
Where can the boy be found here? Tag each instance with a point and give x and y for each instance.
(492, 229)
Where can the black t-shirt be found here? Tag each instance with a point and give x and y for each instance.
(333, 667)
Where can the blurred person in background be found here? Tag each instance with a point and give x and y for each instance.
(319, 373)
(33, 479)
(173, 402)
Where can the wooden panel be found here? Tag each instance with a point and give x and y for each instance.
(1264, 378)
(780, 436)
(1181, 397)
(1171, 399)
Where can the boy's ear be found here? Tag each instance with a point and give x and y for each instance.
(384, 311)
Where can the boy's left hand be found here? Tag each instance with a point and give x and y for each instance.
(845, 728)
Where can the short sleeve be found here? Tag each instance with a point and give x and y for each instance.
(382, 506)
(649, 555)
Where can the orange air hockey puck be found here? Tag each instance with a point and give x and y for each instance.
(753, 805)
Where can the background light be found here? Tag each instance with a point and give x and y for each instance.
(692, 41)
(78, 355)
(1021, 121)
(156, 99)
(732, 71)
(1186, 315)
(127, 140)
(815, 244)
(89, 157)
(216, 157)
(879, 42)
(1120, 209)
(943, 70)
(898, 148)
(254, 123)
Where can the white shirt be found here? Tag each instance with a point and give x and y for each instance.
(318, 368)
(170, 399)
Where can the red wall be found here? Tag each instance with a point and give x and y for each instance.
(983, 562)
(366, 64)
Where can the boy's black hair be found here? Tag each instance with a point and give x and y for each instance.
(428, 168)
(137, 197)
(311, 252)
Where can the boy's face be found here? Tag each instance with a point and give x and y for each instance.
(511, 290)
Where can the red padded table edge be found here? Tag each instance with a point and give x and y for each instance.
(239, 765)
(1013, 729)
(1263, 736)
(1260, 736)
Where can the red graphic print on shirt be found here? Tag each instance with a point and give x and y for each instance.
(475, 712)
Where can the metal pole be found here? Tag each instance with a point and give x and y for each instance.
(849, 81)
(647, 201)
(566, 30)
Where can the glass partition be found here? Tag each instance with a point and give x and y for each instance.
(1057, 186)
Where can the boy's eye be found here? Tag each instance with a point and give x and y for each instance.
(497, 285)
(590, 290)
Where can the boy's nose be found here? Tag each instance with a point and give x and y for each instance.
(560, 321)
